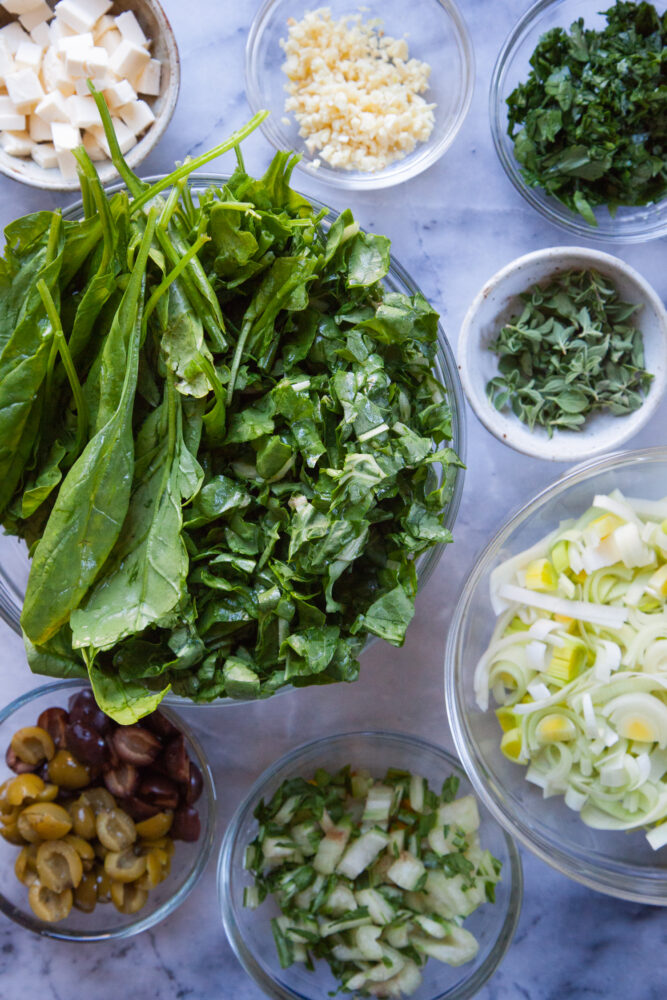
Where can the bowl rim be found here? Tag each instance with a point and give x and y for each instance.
(564, 446)
(290, 760)
(612, 879)
(204, 844)
(607, 230)
(400, 170)
(11, 166)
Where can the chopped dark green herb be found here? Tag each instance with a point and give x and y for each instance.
(571, 352)
(590, 123)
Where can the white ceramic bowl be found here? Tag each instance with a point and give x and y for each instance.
(155, 25)
(498, 301)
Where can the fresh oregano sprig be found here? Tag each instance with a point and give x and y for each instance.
(572, 351)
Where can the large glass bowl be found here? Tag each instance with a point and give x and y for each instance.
(630, 224)
(105, 923)
(249, 931)
(436, 34)
(620, 864)
(14, 562)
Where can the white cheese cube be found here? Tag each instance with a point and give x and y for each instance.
(65, 135)
(7, 64)
(9, 117)
(52, 108)
(82, 111)
(126, 137)
(16, 143)
(92, 147)
(53, 70)
(118, 94)
(19, 6)
(12, 35)
(66, 164)
(110, 40)
(60, 30)
(99, 82)
(41, 35)
(24, 88)
(44, 155)
(28, 56)
(70, 43)
(38, 129)
(86, 62)
(129, 61)
(38, 14)
(149, 81)
(105, 23)
(82, 14)
(137, 116)
(130, 28)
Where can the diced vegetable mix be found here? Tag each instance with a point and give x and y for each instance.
(578, 664)
(222, 441)
(372, 876)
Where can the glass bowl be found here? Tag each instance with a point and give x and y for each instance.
(436, 33)
(619, 864)
(14, 562)
(630, 224)
(105, 923)
(249, 931)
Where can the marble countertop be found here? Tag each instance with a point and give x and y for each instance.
(452, 227)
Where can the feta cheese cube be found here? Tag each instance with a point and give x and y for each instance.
(65, 135)
(81, 14)
(130, 28)
(38, 129)
(19, 6)
(80, 61)
(82, 111)
(24, 88)
(92, 146)
(9, 117)
(129, 61)
(53, 108)
(70, 43)
(137, 115)
(12, 35)
(60, 30)
(117, 94)
(41, 35)
(99, 82)
(7, 64)
(28, 56)
(110, 40)
(149, 81)
(38, 14)
(66, 164)
(126, 137)
(16, 143)
(105, 23)
(44, 155)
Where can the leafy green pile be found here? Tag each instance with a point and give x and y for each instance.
(590, 123)
(571, 352)
(218, 436)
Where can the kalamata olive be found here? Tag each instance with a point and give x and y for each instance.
(87, 745)
(83, 706)
(138, 809)
(176, 760)
(159, 791)
(160, 724)
(17, 765)
(135, 745)
(195, 784)
(186, 824)
(122, 781)
(54, 721)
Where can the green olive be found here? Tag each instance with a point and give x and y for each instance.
(84, 849)
(11, 833)
(44, 821)
(5, 807)
(156, 826)
(127, 898)
(103, 882)
(98, 799)
(24, 786)
(124, 866)
(85, 894)
(58, 865)
(116, 830)
(32, 745)
(48, 905)
(83, 818)
(25, 866)
(66, 771)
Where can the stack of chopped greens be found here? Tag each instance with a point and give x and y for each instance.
(219, 437)
(589, 125)
(572, 351)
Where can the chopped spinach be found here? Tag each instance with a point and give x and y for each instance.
(589, 124)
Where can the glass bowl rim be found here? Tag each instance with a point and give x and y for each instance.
(469, 987)
(548, 206)
(204, 845)
(612, 878)
(397, 172)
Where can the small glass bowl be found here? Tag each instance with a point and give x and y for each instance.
(249, 931)
(14, 562)
(631, 224)
(436, 33)
(619, 864)
(105, 923)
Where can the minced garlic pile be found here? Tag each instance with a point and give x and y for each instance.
(354, 91)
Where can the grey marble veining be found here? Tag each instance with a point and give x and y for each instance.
(452, 227)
